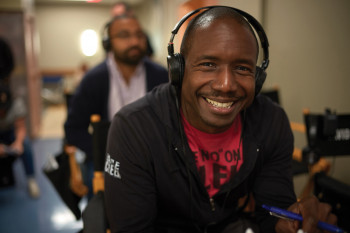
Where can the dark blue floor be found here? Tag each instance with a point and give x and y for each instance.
(20, 213)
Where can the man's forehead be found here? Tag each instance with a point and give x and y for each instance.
(125, 23)
(205, 22)
(220, 33)
(217, 28)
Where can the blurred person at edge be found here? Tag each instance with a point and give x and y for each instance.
(13, 131)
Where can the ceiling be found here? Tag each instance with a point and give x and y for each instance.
(100, 2)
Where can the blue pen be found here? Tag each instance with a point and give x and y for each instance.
(285, 214)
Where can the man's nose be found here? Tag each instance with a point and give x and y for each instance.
(225, 80)
(136, 39)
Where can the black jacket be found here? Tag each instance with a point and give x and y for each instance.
(91, 97)
(151, 179)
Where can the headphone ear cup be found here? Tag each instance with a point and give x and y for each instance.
(176, 69)
(260, 77)
(106, 44)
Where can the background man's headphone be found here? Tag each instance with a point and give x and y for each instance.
(106, 43)
(176, 61)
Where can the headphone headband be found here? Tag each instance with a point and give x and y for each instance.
(251, 20)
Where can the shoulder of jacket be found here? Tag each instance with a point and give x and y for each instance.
(97, 70)
(97, 73)
(265, 113)
(263, 104)
(154, 103)
(149, 64)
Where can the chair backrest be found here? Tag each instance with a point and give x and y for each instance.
(94, 215)
(272, 93)
(99, 138)
(328, 134)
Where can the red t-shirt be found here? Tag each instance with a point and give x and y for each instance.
(218, 156)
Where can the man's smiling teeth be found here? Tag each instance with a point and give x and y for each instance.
(218, 104)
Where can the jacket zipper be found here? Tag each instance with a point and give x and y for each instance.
(212, 204)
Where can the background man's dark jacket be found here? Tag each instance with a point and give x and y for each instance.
(91, 97)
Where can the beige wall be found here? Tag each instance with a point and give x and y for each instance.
(59, 27)
(309, 53)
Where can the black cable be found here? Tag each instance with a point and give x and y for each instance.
(176, 92)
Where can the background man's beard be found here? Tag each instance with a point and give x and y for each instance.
(130, 60)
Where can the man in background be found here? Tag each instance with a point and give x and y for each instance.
(126, 75)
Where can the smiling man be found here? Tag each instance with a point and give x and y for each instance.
(184, 157)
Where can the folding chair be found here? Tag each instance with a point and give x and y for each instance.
(94, 216)
(299, 163)
(328, 135)
(64, 173)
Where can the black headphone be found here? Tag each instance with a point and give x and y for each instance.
(106, 43)
(176, 61)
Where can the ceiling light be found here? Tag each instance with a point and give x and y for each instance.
(89, 42)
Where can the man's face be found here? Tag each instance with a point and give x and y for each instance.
(128, 41)
(219, 77)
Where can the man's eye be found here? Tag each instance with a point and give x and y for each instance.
(123, 35)
(243, 68)
(208, 64)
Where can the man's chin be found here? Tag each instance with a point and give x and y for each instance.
(218, 125)
(133, 61)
